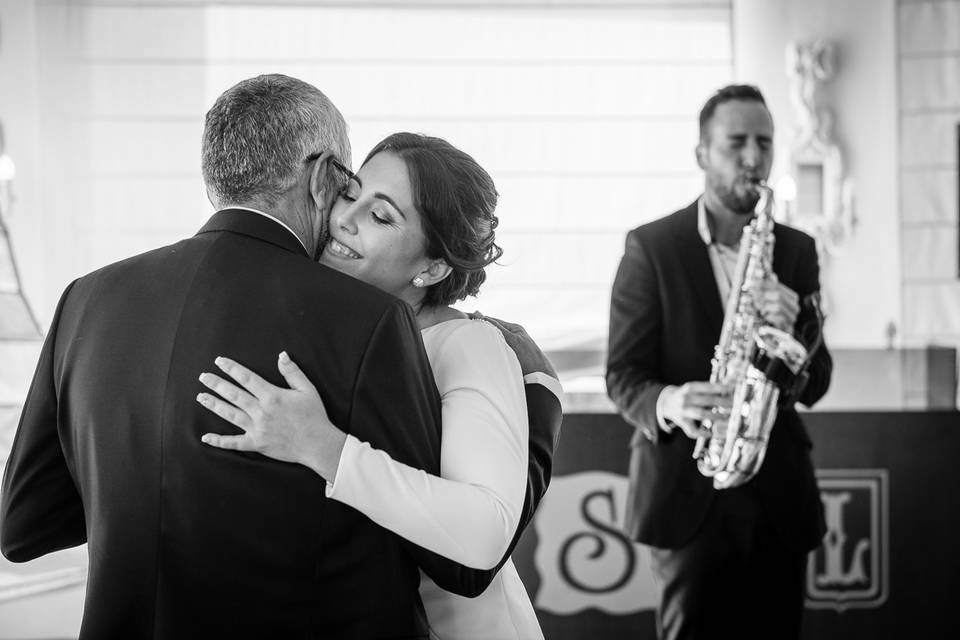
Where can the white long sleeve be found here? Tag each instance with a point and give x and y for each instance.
(471, 512)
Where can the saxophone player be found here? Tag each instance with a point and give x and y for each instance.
(733, 560)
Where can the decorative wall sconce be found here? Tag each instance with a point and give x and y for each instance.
(816, 194)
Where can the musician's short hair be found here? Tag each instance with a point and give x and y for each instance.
(729, 93)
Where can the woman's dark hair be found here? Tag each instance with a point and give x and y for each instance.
(456, 199)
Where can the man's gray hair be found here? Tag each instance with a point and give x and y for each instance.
(258, 134)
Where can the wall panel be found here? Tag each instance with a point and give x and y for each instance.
(932, 308)
(602, 34)
(584, 114)
(930, 252)
(929, 139)
(929, 36)
(929, 27)
(930, 83)
(929, 195)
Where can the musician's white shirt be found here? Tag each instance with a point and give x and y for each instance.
(723, 260)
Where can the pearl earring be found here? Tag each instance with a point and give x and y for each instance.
(418, 282)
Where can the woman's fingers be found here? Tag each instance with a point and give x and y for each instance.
(233, 415)
(293, 374)
(246, 378)
(229, 391)
(234, 443)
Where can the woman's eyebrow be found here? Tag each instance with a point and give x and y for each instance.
(387, 198)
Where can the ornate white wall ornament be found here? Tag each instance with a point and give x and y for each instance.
(822, 195)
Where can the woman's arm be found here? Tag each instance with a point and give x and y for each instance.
(290, 425)
(470, 513)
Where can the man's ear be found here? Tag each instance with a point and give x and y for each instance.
(323, 189)
(701, 151)
(435, 272)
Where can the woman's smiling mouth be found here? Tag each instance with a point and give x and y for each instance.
(338, 248)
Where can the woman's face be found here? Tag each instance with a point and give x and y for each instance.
(375, 231)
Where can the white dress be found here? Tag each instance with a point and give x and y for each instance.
(470, 513)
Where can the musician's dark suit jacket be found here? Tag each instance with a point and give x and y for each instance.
(665, 320)
(188, 541)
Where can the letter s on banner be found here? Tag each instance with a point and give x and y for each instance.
(583, 557)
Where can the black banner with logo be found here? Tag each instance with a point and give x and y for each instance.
(889, 566)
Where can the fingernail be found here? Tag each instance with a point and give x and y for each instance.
(203, 376)
(218, 360)
(201, 398)
(205, 438)
(284, 357)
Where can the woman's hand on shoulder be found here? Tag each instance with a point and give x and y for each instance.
(290, 425)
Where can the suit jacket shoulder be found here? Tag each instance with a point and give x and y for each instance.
(787, 236)
(677, 222)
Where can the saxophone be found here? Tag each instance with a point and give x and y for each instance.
(756, 359)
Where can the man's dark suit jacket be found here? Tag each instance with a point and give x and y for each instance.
(665, 320)
(545, 415)
(188, 541)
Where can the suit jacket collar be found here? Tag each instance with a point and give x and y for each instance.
(256, 226)
(696, 262)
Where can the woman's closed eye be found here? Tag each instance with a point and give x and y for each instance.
(380, 217)
(377, 213)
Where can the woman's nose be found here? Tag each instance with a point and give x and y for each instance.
(347, 219)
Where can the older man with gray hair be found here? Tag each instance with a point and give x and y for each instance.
(268, 145)
(188, 541)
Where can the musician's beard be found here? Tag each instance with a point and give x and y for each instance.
(738, 197)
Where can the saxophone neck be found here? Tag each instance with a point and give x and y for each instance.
(764, 206)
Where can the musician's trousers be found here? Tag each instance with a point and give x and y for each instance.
(733, 580)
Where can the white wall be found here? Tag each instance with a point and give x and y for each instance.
(929, 62)
(25, 220)
(93, 143)
(19, 113)
(585, 116)
(863, 284)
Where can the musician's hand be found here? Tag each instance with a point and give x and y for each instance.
(780, 305)
(688, 405)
